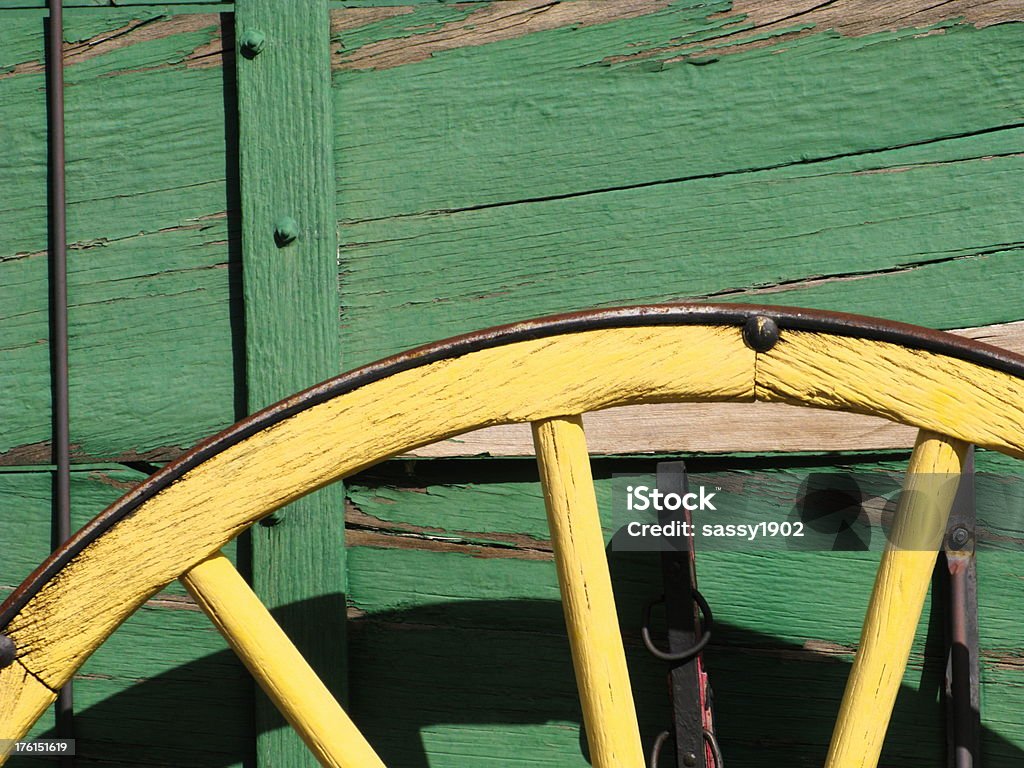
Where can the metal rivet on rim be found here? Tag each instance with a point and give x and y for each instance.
(251, 43)
(689, 759)
(286, 231)
(7, 651)
(761, 333)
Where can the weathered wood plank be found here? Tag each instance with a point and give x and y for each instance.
(840, 233)
(557, 176)
(587, 123)
(719, 427)
(150, 283)
(289, 264)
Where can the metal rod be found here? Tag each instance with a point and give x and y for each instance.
(963, 674)
(59, 313)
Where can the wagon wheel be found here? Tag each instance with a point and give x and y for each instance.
(546, 372)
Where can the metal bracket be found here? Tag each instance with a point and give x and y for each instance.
(963, 695)
(694, 740)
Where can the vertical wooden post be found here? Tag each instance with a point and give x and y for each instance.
(289, 257)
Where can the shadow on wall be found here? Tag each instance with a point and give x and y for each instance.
(491, 683)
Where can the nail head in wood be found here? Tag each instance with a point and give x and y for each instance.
(286, 231)
(760, 333)
(251, 43)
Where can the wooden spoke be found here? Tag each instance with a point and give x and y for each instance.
(278, 666)
(904, 576)
(597, 653)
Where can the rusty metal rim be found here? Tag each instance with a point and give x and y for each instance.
(786, 318)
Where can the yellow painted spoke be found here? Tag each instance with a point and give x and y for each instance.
(904, 576)
(597, 653)
(278, 666)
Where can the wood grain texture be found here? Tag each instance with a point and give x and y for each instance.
(291, 310)
(215, 502)
(719, 427)
(148, 224)
(557, 177)
(586, 588)
(864, 213)
(904, 577)
(23, 699)
(983, 407)
(278, 666)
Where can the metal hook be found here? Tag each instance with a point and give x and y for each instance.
(693, 650)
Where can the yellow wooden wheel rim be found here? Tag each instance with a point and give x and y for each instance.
(546, 372)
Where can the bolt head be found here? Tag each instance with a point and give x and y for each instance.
(7, 651)
(251, 43)
(286, 231)
(960, 537)
(689, 759)
(760, 333)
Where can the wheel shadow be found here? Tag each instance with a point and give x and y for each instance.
(492, 681)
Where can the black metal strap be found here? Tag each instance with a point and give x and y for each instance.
(686, 639)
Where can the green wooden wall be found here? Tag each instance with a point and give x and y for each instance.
(494, 161)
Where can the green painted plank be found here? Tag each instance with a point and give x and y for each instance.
(539, 115)
(150, 216)
(165, 689)
(847, 238)
(544, 183)
(843, 238)
(291, 310)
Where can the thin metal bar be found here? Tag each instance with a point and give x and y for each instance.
(59, 313)
(963, 694)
